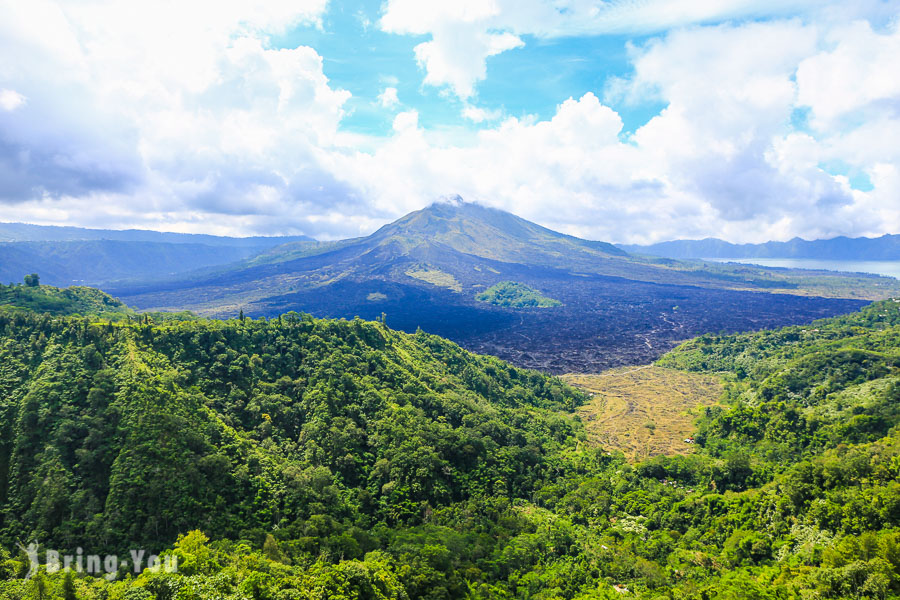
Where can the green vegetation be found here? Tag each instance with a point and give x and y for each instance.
(334, 436)
(110, 260)
(55, 301)
(298, 458)
(515, 295)
(797, 391)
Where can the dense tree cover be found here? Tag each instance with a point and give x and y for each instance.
(795, 391)
(298, 458)
(55, 301)
(515, 295)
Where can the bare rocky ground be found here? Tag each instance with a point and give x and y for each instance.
(605, 321)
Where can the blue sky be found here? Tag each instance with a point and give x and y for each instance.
(618, 120)
(528, 81)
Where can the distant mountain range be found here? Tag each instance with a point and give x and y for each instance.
(73, 255)
(886, 247)
(426, 270)
(598, 305)
(24, 232)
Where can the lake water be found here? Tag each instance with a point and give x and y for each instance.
(891, 268)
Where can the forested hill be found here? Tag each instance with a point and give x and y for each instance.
(80, 300)
(799, 390)
(312, 459)
(124, 434)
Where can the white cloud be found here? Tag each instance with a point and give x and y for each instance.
(558, 18)
(462, 39)
(722, 159)
(183, 106)
(388, 97)
(479, 115)
(467, 32)
(855, 78)
(177, 119)
(648, 16)
(456, 56)
(10, 100)
(406, 121)
(725, 106)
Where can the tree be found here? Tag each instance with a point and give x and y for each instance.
(39, 587)
(69, 587)
(33, 280)
(272, 551)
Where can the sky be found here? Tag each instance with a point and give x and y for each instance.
(631, 121)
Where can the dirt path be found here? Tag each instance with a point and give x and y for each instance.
(613, 372)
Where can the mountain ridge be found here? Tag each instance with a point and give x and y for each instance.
(447, 224)
(27, 232)
(885, 247)
(73, 255)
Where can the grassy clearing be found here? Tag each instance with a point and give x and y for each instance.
(436, 277)
(644, 411)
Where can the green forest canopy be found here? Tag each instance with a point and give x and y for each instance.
(515, 295)
(55, 301)
(329, 459)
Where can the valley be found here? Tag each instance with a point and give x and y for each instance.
(421, 300)
(602, 322)
(461, 405)
(346, 459)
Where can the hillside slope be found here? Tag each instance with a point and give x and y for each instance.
(65, 256)
(336, 459)
(123, 434)
(51, 300)
(797, 390)
(99, 262)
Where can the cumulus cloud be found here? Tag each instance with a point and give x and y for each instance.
(181, 106)
(456, 57)
(184, 117)
(477, 114)
(723, 158)
(388, 97)
(467, 32)
(462, 39)
(856, 78)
